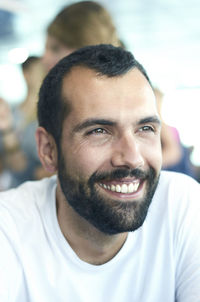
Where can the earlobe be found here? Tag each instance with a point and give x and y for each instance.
(47, 150)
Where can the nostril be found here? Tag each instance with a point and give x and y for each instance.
(127, 153)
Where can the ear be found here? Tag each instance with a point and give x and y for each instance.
(47, 150)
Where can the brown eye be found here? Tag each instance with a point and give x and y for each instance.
(147, 129)
(98, 131)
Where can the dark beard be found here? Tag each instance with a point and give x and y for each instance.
(107, 215)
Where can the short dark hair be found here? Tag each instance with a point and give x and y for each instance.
(105, 59)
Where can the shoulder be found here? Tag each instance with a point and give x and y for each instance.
(24, 198)
(181, 214)
(22, 211)
(178, 195)
(180, 183)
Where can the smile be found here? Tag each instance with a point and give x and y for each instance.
(122, 188)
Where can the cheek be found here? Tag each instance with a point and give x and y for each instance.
(86, 160)
(54, 58)
(153, 155)
(61, 54)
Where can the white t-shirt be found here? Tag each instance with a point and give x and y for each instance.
(160, 262)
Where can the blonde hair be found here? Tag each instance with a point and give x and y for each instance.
(84, 23)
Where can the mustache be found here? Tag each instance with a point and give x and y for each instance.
(120, 173)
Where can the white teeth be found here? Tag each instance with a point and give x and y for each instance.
(118, 188)
(131, 188)
(124, 188)
(113, 188)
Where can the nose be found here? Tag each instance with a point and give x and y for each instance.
(127, 153)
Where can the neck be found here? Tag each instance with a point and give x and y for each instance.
(90, 244)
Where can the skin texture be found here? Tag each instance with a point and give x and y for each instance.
(54, 52)
(113, 126)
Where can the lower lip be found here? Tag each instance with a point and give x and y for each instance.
(127, 195)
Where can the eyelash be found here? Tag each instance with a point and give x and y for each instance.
(147, 129)
(97, 131)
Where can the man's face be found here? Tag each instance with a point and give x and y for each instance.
(54, 52)
(110, 157)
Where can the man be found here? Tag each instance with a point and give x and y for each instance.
(110, 226)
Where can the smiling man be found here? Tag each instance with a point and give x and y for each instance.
(110, 149)
(110, 226)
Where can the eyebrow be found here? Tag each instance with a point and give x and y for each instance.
(150, 119)
(103, 122)
(92, 122)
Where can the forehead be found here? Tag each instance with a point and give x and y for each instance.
(91, 95)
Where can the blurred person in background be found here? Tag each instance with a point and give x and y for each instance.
(5, 175)
(77, 25)
(176, 157)
(15, 144)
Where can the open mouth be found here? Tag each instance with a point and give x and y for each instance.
(122, 187)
